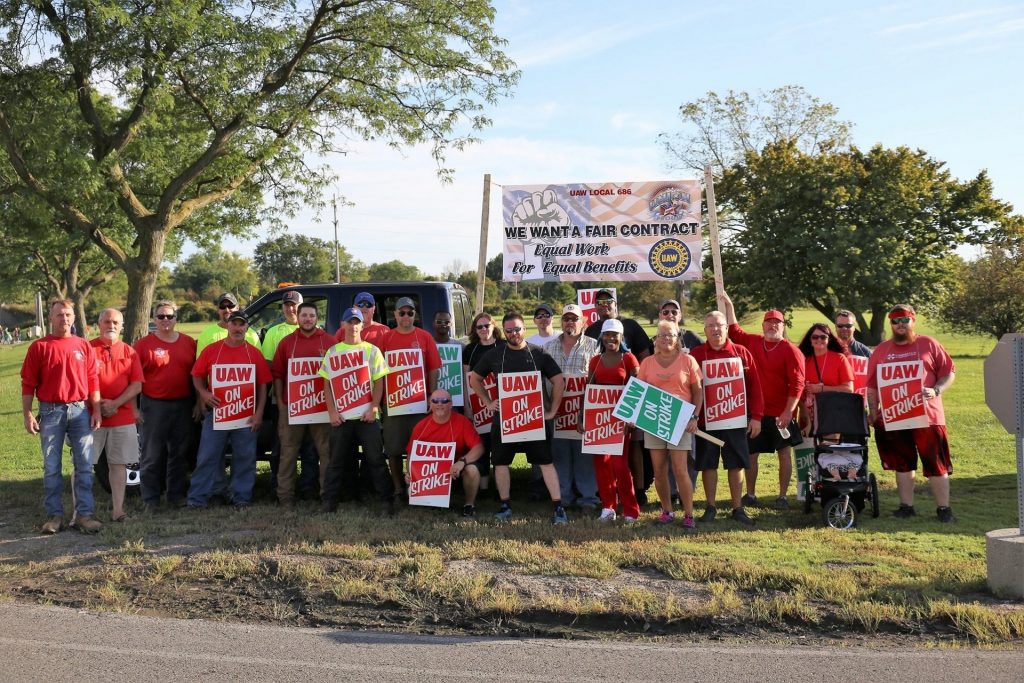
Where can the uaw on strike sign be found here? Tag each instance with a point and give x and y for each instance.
(654, 411)
(235, 386)
(567, 419)
(603, 434)
(725, 395)
(521, 406)
(901, 395)
(349, 375)
(602, 231)
(430, 473)
(306, 401)
(860, 375)
(406, 385)
(482, 417)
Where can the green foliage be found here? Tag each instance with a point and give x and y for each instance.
(851, 229)
(392, 271)
(203, 276)
(987, 294)
(643, 299)
(303, 259)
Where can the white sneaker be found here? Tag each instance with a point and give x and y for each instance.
(629, 520)
(607, 515)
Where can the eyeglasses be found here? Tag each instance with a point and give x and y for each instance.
(227, 307)
(483, 326)
(542, 315)
(667, 335)
(441, 401)
(713, 326)
(165, 316)
(513, 330)
(364, 304)
(902, 320)
(405, 314)
(819, 337)
(603, 302)
(570, 319)
(845, 326)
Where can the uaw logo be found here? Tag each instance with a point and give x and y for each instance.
(670, 203)
(669, 258)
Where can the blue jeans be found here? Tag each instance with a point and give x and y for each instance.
(209, 461)
(57, 420)
(577, 468)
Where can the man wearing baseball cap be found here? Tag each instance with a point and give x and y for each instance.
(780, 367)
(275, 333)
(373, 331)
(573, 351)
(899, 450)
(227, 303)
(543, 318)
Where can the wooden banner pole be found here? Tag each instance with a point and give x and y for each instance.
(716, 251)
(485, 213)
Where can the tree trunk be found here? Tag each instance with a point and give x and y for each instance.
(874, 333)
(142, 271)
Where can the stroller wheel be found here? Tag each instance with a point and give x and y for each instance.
(840, 513)
(873, 490)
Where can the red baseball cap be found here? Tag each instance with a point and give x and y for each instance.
(774, 314)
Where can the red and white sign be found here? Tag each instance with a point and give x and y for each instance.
(306, 401)
(568, 417)
(603, 434)
(585, 299)
(235, 386)
(521, 406)
(349, 375)
(405, 387)
(482, 417)
(860, 374)
(901, 395)
(725, 394)
(430, 473)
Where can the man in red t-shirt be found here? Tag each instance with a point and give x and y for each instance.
(307, 345)
(121, 380)
(406, 336)
(899, 449)
(60, 369)
(230, 376)
(445, 426)
(780, 367)
(168, 408)
(719, 400)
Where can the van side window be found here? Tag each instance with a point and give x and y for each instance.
(459, 324)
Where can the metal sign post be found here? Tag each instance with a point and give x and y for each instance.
(1018, 398)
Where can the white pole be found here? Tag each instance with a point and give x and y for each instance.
(485, 213)
(716, 252)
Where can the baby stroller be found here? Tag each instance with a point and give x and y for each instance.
(842, 497)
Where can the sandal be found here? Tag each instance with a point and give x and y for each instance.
(120, 518)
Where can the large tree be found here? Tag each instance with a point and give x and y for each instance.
(204, 276)
(303, 259)
(221, 101)
(986, 295)
(854, 229)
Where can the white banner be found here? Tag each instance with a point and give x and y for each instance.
(602, 231)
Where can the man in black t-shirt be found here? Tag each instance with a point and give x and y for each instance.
(634, 338)
(518, 356)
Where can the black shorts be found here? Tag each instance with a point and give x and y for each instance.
(734, 454)
(769, 440)
(537, 452)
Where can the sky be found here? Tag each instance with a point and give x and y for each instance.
(601, 80)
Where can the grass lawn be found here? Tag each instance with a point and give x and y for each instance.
(428, 569)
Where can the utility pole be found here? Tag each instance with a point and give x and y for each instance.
(337, 248)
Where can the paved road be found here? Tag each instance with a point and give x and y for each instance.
(51, 644)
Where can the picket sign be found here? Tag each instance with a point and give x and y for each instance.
(349, 375)
(603, 434)
(568, 417)
(307, 403)
(430, 473)
(521, 407)
(725, 394)
(901, 395)
(451, 377)
(654, 411)
(235, 386)
(405, 387)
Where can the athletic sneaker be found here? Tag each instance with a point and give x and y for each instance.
(740, 515)
(781, 503)
(688, 522)
(504, 514)
(607, 515)
(710, 512)
(560, 516)
(749, 500)
(468, 511)
(904, 511)
(629, 521)
(667, 517)
(945, 515)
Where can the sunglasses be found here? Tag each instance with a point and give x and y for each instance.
(364, 305)
(603, 302)
(542, 315)
(819, 337)
(845, 326)
(902, 320)
(164, 316)
(405, 314)
(513, 330)
(670, 311)
(226, 307)
(441, 401)
(484, 326)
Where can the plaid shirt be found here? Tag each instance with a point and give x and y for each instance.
(578, 359)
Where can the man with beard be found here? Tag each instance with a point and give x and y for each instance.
(899, 450)
(309, 343)
(780, 367)
(735, 454)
